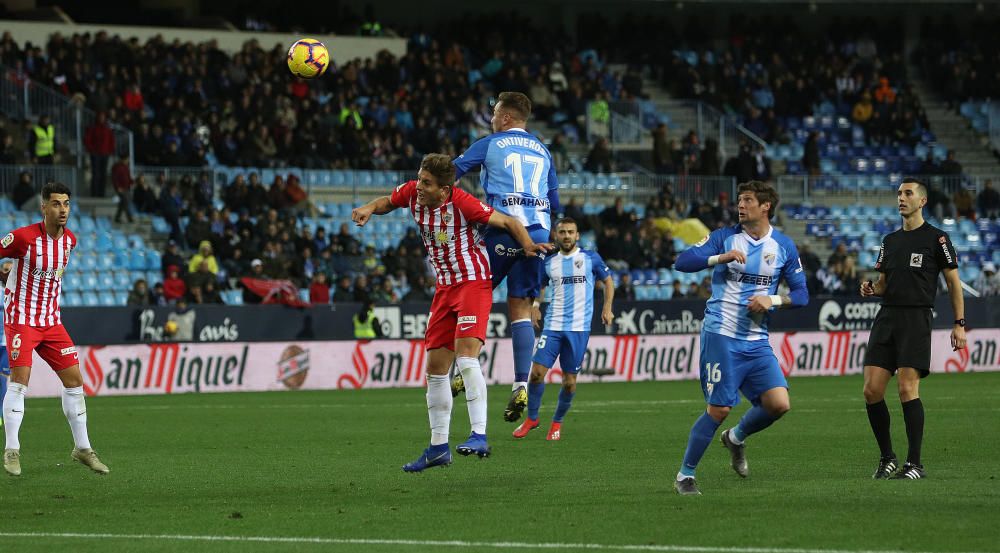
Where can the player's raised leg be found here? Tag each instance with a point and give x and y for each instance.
(439, 403)
(467, 350)
(767, 389)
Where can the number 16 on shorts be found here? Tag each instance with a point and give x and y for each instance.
(710, 377)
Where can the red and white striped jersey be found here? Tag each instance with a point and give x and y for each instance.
(451, 233)
(35, 280)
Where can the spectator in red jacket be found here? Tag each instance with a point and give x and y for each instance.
(297, 198)
(133, 98)
(121, 179)
(319, 290)
(173, 286)
(99, 140)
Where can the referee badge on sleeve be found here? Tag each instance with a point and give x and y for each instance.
(916, 260)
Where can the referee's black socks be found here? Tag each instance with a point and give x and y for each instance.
(878, 416)
(913, 416)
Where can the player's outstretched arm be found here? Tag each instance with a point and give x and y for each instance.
(957, 305)
(707, 253)
(378, 206)
(517, 230)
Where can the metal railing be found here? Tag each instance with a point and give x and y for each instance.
(712, 122)
(10, 175)
(993, 116)
(859, 188)
(22, 98)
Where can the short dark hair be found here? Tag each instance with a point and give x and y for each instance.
(920, 186)
(54, 188)
(517, 103)
(440, 167)
(567, 221)
(763, 191)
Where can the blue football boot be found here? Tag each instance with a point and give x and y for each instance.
(433, 456)
(475, 444)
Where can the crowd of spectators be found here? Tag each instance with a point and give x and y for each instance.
(960, 62)
(772, 69)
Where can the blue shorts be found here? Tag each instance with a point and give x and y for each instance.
(729, 366)
(524, 274)
(568, 346)
(4, 362)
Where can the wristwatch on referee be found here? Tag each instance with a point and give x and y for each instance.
(960, 322)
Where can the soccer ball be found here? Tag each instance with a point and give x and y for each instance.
(308, 58)
(170, 328)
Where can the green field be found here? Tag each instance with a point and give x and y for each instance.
(321, 472)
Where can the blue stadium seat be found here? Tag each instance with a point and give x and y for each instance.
(160, 225)
(90, 299)
(153, 259)
(106, 298)
(103, 243)
(121, 297)
(87, 262)
(103, 224)
(72, 299)
(105, 281)
(122, 280)
(137, 260)
(106, 262)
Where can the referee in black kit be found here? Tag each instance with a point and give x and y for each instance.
(900, 342)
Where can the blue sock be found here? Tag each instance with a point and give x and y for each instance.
(701, 437)
(535, 391)
(522, 335)
(753, 421)
(565, 401)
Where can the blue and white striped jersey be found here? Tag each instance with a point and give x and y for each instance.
(517, 174)
(571, 281)
(769, 259)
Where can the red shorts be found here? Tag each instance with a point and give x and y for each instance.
(459, 311)
(52, 342)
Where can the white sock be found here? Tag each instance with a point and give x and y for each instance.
(13, 413)
(519, 385)
(439, 407)
(475, 392)
(75, 409)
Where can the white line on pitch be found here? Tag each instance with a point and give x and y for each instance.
(431, 543)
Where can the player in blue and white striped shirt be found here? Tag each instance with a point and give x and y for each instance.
(572, 275)
(519, 180)
(749, 259)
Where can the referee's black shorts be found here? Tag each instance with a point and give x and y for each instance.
(901, 337)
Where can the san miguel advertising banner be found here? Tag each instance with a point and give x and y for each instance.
(174, 368)
(216, 323)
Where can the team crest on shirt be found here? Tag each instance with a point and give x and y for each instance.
(769, 258)
(446, 218)
(916, 260)
(578, 263)
(6, 241)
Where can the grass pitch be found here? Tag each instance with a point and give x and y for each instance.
(320, 471)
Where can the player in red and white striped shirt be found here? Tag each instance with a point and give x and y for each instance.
(449, 220)
(32, 322)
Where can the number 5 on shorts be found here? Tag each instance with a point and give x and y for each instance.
(541, 342)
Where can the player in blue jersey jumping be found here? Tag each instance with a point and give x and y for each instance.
(748, 259)
(519, 180)
(572, 275)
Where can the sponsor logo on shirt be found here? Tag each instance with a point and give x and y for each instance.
(579, 279)
(502, 250)
(48, 273)
(749, 278)
(6, 241)
(702, 241)
(916, 260)
(67, 351)
(467, 319)
(944, 248)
